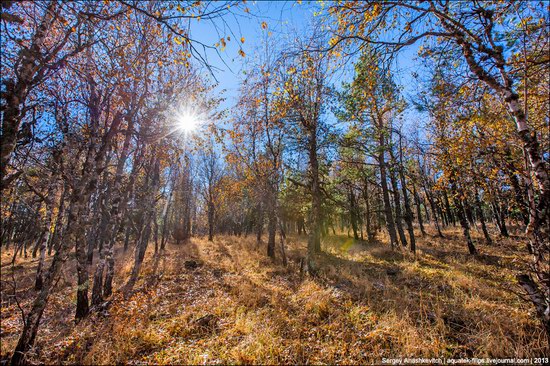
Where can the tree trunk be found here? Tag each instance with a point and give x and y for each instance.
(301, 226)
(79, 199)
(152, 187)
(57, 232)
(271, 233)
(156, 235)
(482, 219)
(30, 328)
(448, 210)
(370, 233)
(15, 95)
(537, 296)
(314, 241)
(499, 218)
(397, 203)
(353, 215)
(532, 207)
(418, 210)
(406, 202)
(103, 239)
(116, 215)
(525, 133)
(45, 236)
(434, 210)
(464, 222)
(469, 213)
(540, 295)
(97, 289)
(519, 193)
(163, 236)
(386, 197)
(82, 305)
(39, 270)
(271, 223)
(127, 238)
(283, 238)
(139, 255)
(210, 220)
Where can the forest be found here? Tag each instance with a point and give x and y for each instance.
(242, 182)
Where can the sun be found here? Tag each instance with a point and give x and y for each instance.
(187, 122)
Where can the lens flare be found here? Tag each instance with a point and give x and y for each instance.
(187, 122)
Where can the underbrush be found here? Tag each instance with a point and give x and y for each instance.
(233, 305)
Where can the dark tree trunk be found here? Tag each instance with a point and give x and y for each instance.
(314, 241)
(210, 220)
(537, 296)
(434, 211)
(469, 213)
(397, 204)
(127, 238)
(283, 239)
(82, 305)
(448, 210)
(163, 236)
(482, 220)
(464, 222)
(386, 196)
(418, 210)
(97, 289)
(370, 232)
(519, 193)
(406, 202)
(426, 211)
(352, 212)
(499, 218)
(301, 226)
(271, 221)
(259, 231)
(156, 235)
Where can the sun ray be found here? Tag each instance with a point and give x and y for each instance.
(187, 122)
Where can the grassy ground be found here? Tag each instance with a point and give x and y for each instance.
(236, 306)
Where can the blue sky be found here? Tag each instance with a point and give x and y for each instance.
(285, 19)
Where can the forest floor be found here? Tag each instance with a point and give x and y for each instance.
(226, 302)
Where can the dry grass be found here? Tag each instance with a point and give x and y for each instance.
(367, 302)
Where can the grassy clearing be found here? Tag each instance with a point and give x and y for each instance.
(367, 302)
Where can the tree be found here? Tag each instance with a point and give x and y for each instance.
(471, 33)
(373, 103)
(211, 172)
(305, 90)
